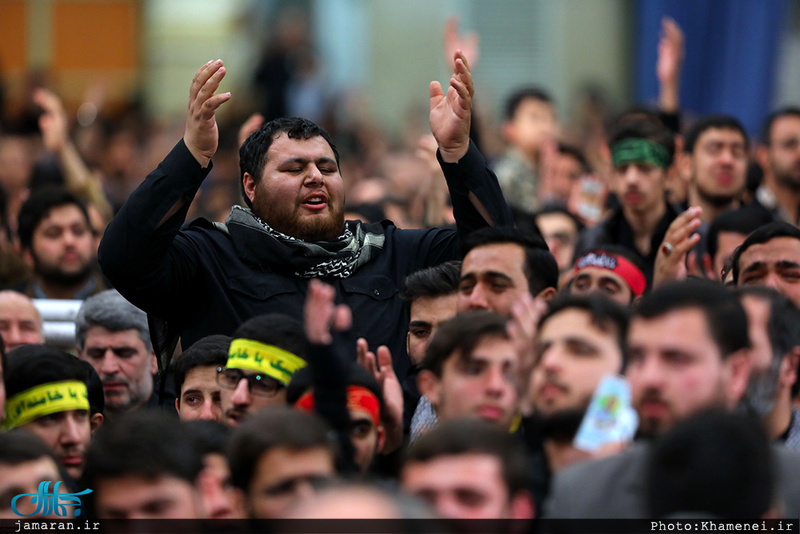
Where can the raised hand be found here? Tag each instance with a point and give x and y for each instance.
(252, 124)
(451, 113)
(454, 41)
(320, 314)
(668, 64)
(383, 371)
(53, 121)
(202, 134)
(678, 242)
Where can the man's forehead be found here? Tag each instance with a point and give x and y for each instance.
(721, 134)
(498, 257)
(598, 273)
(284, 147)
(774, 250)
(17, 306)
(660, 331)
(62, 215)
(101, 336)
(201, 375)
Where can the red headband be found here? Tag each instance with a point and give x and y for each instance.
(358, 398)
(629, 272)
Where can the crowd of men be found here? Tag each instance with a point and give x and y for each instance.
(295, 362)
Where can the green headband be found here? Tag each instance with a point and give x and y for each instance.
(639, 150)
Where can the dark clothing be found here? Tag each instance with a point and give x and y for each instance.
(202, 280)
(616, 230)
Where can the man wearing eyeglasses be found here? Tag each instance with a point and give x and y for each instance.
(779, 156)
(264, 354)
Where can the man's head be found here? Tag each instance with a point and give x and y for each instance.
(779, 152)
(20, 322)
(560, 230)
(278, 457)
(220, 499)
(688, 352)
(578, 341)
(195, 375)
(715, 149)
(25, 462)
(641, 151)
(770, 256)
(500, 265)
(364, 403)
(611, 270)
(114, 337)
(55, 396)
(56, 237)
(291, 179)
(569, 164)
(530, 120)
(144, 466)
(471, 369)
(432, 295)
(729, 230)
(468, 469)
(774, 330)
(265, 352)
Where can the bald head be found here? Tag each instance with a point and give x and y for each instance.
(20, 323)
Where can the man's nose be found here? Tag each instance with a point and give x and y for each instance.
(478, 298)
(109, 365)
(241, 395)
(70, 431)
(207, 411)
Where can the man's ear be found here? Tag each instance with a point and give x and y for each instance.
(788, 372)
(381, 439)
(28, 257)
(762, 156)
(249, 186)
(178, 405)
(428, 384)
(738, 365)
(95, 422)
(153, 363)
(548, 294)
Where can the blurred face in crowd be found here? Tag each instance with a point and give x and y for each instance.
(135, 497)
(284, 478)
(604, 281)
(200, 395)
(533, 123)
(63, 248)
(561, 234)
(483, 384)
(68, 434)
(676, 369)
(719, 165)
(217, 492)
(774, 264)
(464, 486)
(639, 186)
(573, 354)
(124, 364)
(426, 314)
(20, 323)
(783, 151)
(24, 477)
(493, 278)
(727, 242)
(301, 192)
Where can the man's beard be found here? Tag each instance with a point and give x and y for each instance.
(57, 276)
(788, 180)
(562, 425)
(716, 200)
(762, 390)
(321, 227)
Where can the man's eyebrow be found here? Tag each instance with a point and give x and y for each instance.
(193, 391)
(498, 274)
(418, 323)
(609, 280)
(754, 266)
(787, 264)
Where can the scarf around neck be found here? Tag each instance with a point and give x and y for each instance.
(257, 242)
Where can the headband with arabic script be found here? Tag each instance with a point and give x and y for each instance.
(639, 150)
(45, 399)
(358, 398)
(268, 359)
(620, 265)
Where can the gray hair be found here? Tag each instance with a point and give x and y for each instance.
(110, 310)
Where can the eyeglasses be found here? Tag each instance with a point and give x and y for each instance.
(260, 384)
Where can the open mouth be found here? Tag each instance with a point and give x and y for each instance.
(315, 202)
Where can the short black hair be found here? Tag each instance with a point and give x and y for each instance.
(475, 436)
(432, 282)
(550, 209)
(211, 351)
(520, 95)
(253, 152)
(743, 220)
(144, 443)
(718, 122)
(603, 312)
(38, 207)
(576, 153)
(209, 437)
(275, 329)
(698, 467)
(28, 366)
(541, 269)
(766, 130)
(633, 128)
(725, 316)
(462, 333)
(19, 446)
(763, 234)
(270, 429)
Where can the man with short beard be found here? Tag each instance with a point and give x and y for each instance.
(209, 278)
(779, 157)
(57, 241)
(114, 338)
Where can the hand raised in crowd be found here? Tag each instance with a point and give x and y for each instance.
(320, 314)
(381, 368)
(675, 259)
(668, 65)
(451, 113)
(53, 121)
(454, 41)
(202, 133)
(253, 123)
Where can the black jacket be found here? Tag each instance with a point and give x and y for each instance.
(202, 280)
